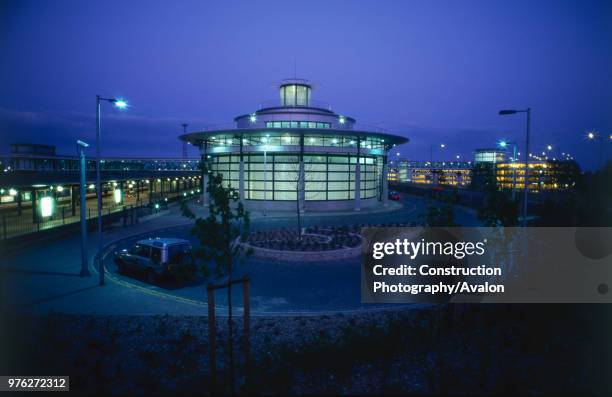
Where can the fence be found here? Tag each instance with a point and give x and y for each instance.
(15, 225)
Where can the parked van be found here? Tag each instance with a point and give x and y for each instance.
(157, 258)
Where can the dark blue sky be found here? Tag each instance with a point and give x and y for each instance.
(436, 72)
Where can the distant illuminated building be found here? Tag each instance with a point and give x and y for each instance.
(543, 175)
(492, 156)
(449, 173)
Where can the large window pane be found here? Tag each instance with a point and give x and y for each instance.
(285, 195)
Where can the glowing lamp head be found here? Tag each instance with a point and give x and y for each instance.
(442, 145)
(253, 118)
(503, 144)
(120, 103)
(591, 135)
(341, 119)
(549, 147)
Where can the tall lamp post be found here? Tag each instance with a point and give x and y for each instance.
(81, 146)
(121, 104)
(526, 185)
(503, 145)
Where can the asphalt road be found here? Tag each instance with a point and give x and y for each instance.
(282, 286)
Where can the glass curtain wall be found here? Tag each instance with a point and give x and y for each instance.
(327, 177)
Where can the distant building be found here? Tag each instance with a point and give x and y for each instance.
(492, 156)
(543, 175)
(450, 173)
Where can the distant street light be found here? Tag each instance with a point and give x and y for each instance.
(526, 185)
(121, 104)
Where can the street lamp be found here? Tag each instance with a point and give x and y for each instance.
(121, 104)
(526, 185)
(81, 146)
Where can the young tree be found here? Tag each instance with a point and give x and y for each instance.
(438, 214)
(298, 186)
(498, 209)
(221, 235)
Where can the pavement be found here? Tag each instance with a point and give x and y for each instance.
(45, 277)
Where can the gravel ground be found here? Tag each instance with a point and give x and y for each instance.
(436, 349)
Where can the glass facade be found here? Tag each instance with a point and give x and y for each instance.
(297, 124)
(276, 176)
(295, 95)
(289, 138)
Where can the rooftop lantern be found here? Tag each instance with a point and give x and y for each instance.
(295, 92)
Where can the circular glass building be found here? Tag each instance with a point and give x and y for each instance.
(298, 151)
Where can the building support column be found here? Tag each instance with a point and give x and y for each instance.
(34, 206)
(205, 170)
(385, 182)
(19, 202)
(358, 177)
(241, 173)
(302, 179)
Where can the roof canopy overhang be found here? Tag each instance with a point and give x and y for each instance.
(196, 138)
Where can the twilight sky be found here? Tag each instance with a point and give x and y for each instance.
(434, 71)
